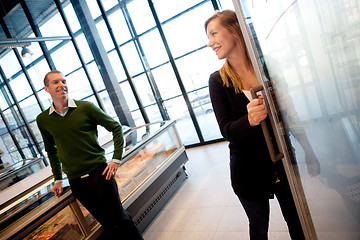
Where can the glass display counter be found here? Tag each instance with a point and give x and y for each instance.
(150, 172)
(19, 171)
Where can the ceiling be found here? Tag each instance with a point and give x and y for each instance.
(12, 12)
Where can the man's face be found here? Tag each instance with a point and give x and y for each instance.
(57, 87)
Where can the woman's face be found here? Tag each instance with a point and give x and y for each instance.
(221, 40)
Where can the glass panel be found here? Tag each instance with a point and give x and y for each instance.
(104, 35)
(45, 98)
(140, 166)
(109, 4)
(119, 27)
(166, 81)
(96, 76)
(177, 110)
(66, 59)
(5, 97)
(195, 75)
(117, 66)
(20, 87)
(138, 119)
(154, 48)
(84, 48)
(312, 53)
(201, 104)
(141, 82)
(179, 30)
(153, 113)
(227, 4)
(109, 108)
(141, 15)
(129, 96)
(62, 225)
(30, 108)
(71, 17)
(53, 27)
(166, 9)
(131, 58)
(37, 73)
(9, 64)
(13, 120)
(78, 85)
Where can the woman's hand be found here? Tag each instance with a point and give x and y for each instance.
(256, 111)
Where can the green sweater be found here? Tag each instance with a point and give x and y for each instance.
(71, 141)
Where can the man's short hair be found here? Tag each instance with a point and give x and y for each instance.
(46, 78)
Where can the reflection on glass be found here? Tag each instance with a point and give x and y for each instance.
(311, 50)
(153, 113)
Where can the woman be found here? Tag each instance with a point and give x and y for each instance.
(254, 177)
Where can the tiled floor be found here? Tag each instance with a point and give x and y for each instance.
(205, 207)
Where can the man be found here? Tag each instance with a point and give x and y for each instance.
(69, 131)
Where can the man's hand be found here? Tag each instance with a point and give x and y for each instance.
(110, 170)
(57, 188)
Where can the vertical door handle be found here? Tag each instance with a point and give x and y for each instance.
(274, 156)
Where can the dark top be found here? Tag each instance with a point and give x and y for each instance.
(252, 172)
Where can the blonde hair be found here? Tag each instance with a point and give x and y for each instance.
(229, 20)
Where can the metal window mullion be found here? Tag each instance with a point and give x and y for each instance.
(22, 115)
(177, 74)
(117, 49)
(145, 65)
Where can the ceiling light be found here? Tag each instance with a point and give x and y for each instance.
(26, 52)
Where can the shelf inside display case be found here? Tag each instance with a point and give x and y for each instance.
(151, 170)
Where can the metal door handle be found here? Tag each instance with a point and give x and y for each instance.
(274, 156)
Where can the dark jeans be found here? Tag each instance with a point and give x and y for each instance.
(258, 212)
(101, 198)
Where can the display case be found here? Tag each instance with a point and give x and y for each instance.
(19, 171)
(150, 172)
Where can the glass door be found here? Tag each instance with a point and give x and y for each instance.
(307, 55)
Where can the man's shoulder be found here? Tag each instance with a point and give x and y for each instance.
(43, 114)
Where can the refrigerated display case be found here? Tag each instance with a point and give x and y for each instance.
(19, 171)
(151, 170)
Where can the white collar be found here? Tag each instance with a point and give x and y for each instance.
(71, 104)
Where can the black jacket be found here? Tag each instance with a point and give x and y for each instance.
(252, 171)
